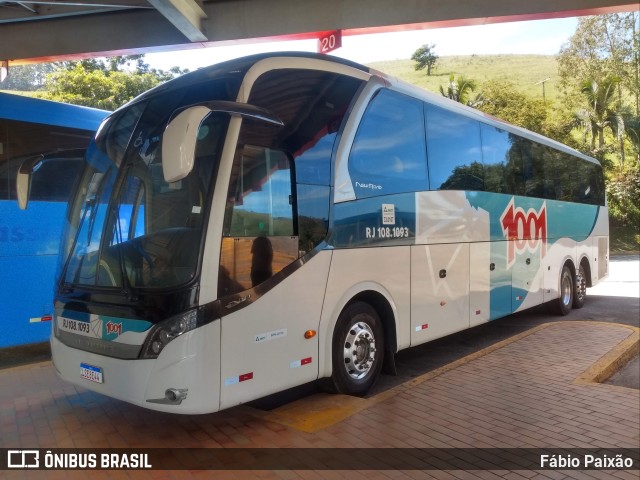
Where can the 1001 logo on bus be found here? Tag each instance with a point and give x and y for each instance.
(526, 230)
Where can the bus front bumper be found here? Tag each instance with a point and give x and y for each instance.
(185, 378)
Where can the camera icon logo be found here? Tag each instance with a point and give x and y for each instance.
(23, 459)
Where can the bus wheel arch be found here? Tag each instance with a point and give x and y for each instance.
(363, 343)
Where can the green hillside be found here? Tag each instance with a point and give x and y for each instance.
(522, 70)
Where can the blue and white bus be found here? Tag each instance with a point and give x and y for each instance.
(282, 218)
(29, 129)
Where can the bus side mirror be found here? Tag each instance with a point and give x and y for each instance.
(23, 180)
(179, 143)
(23, 183)
(181, 135)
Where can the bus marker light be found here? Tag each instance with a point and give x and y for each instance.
(309, 334)
(422, 327)
(44, 318)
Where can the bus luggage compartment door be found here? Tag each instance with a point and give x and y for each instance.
(439, 290)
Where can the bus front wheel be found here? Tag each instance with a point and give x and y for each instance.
(565, 301)
(358, 349)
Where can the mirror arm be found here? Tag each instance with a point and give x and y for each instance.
(181, 134)
(244, 110)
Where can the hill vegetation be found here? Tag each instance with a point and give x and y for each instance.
(522, 70)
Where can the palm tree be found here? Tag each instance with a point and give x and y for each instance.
(602, 112)
(460, 90)
(632, 124)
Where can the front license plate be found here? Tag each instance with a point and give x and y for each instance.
(89, 372)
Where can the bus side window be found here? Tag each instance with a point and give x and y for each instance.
(496, 145)
(454, 151)
(258, 232)
(312, 104)
(54, 180)
(389, 152)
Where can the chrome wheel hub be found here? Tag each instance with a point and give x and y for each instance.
(359, 351)
(565, 290)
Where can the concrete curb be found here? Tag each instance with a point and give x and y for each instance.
(613, 360)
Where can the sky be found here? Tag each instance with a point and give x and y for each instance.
(543, 37)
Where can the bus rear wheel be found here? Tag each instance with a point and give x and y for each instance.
(580, 292)
(358, 349)
(564, 302)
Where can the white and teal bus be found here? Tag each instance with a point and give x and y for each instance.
(282, 218)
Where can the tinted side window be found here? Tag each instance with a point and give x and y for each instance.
(259, 200)
(591, 190)
(558, 177)
(258, 232)
(454, 151)
(497, 159)
(533, 177)
(22, 140)
(388, 154)
(312, 104)
(519, 166)
(55, 179)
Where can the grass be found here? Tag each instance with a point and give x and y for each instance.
(522, 70)
(18, 92)
(623, 239)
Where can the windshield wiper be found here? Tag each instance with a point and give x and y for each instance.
(126, 283)
(90, 204)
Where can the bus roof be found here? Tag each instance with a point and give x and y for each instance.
(36, 110)
(241, 65)
(237, 67)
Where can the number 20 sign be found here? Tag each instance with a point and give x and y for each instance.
(330, 41)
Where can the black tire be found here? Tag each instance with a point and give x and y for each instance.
(580, 290)
(562, 305)
(357, 349)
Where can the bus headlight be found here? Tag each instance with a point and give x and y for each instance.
(166, 331)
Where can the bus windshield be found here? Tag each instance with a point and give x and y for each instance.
(127, 227)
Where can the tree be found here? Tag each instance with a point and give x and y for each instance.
(460, 90)
(623, 196)
(126, 63)
(602, 112)
(425, 57)
(501, 99)
(603, 46)
(103, 83)
(26, 77)
(632, 126)
(95, 88)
